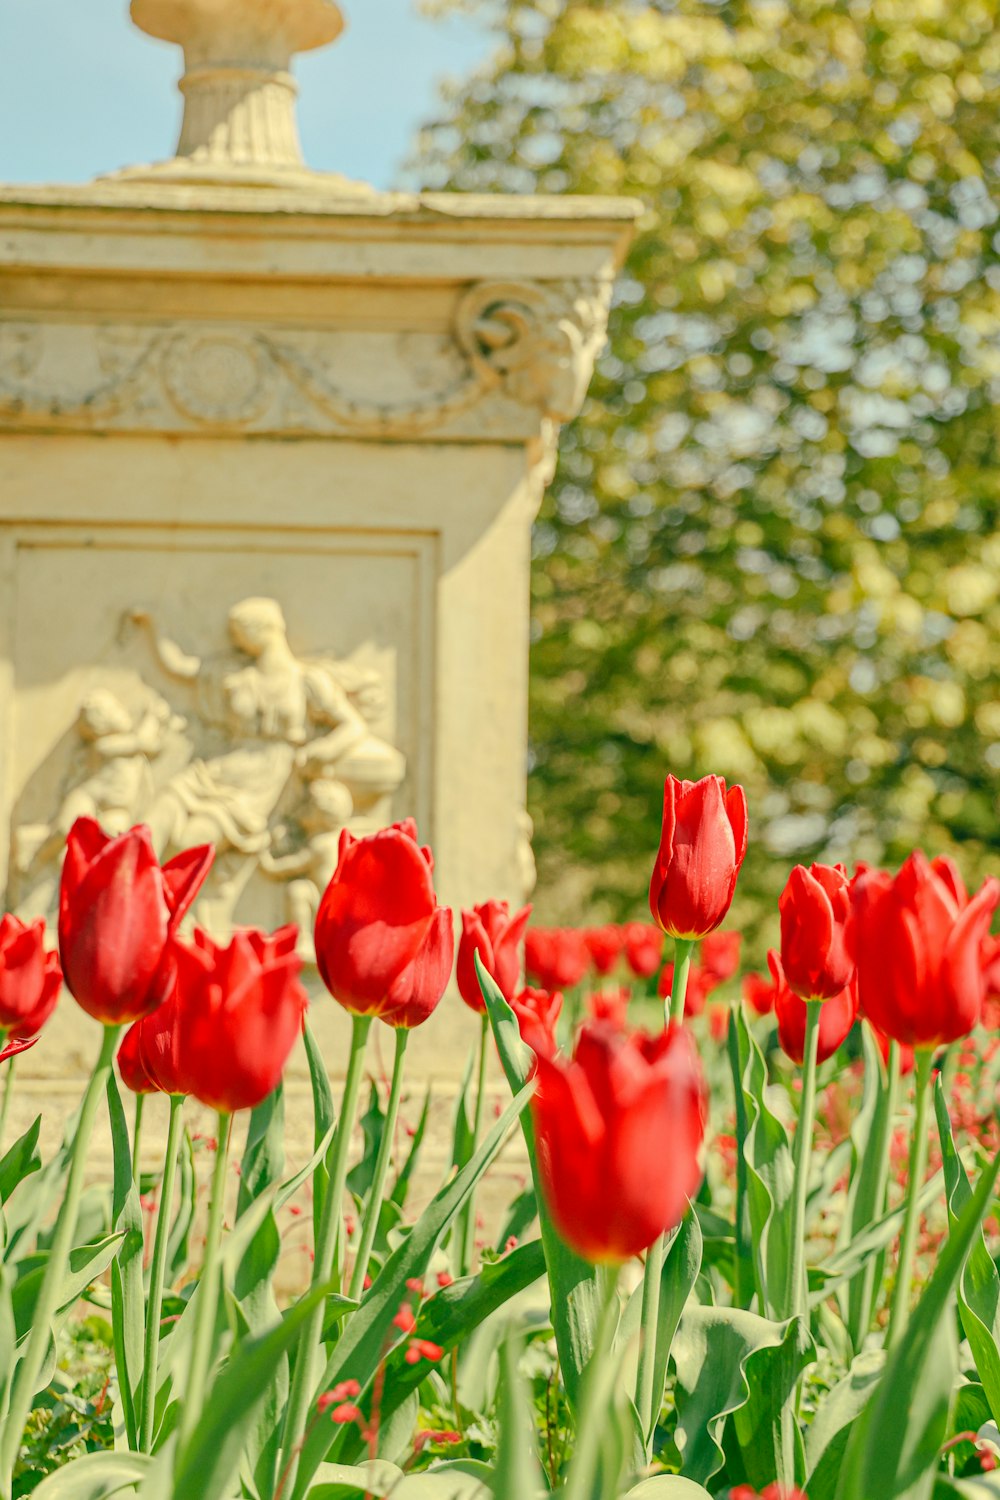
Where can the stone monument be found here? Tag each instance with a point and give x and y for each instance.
(271, 445)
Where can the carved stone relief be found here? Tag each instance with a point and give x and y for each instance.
(280, 757)
(515, 347)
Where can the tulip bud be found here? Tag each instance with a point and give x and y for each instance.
(383, 945)
(604, 944)
(30, 978)
(495, 935)
(817, 931)
(238, 1013)
(702, 847)
(837, 1015)
(919, 949)
(537, 1013)
(643, 948)
(618, 1130)
(118, 911)
(130, 1063)
(556, 957)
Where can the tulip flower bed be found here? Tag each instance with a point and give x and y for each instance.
(755, 1257)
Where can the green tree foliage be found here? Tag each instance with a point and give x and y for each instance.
(771, 549)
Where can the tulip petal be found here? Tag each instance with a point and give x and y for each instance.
(415, 992)
(183, 877)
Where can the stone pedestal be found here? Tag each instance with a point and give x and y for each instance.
(270, 451)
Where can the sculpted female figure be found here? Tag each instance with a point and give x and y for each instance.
(262, 706)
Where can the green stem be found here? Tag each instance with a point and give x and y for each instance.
(599, 1380)
(798, 1281)
(26, 1380)
(374, 1208)
(899, 1316)
(645, 1396)
(882, 1146)
(156, 1273)
(140, 1104)
(678, 990)
(306, 1360)
(208, 1290)
(8, 1093)
(468, 1221)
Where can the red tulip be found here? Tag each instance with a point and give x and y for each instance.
(836, 1017)
(918, 943)
(383, 945)
(556, 957)
(759, 993)
(643, 948)
(719, 955)
(495, 935)
(618, 1131)
(118, 911)
(604, 944)
(702, 846)
(30, 978)
(610, 1005)
(817, 931)
(130, 1063)
(160, 1048)
(239, 1012)
(537, 1013)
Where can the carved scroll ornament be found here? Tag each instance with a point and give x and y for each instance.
(527, 346)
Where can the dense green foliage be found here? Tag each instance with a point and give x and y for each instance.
(771, 548)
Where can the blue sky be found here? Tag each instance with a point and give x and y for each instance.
(83, 92)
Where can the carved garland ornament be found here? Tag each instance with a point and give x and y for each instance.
(528, 342)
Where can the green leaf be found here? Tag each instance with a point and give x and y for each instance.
(734, 1363)
(31, 1205)
(979, 1283)
(575, 1293)
(870, 1133)
(208, 1466)
(518, 1475)
(86, 1263)
(368, 1333)
(8, 1339)
(361, 1176)
(978, 1487)
(667, 1487)
(178, 1244)
(463, 1479)
(770, 1182)
(766, 1425)
(451, 1315)
(348, 1482)
(896, 1439)
(324, 1118)
(21, 1161)
(96, 1476)
(681, 1265)
(261, 1168)
(127, 1292)
(829, 1430)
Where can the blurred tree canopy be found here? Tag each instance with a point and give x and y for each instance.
(771, 549)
